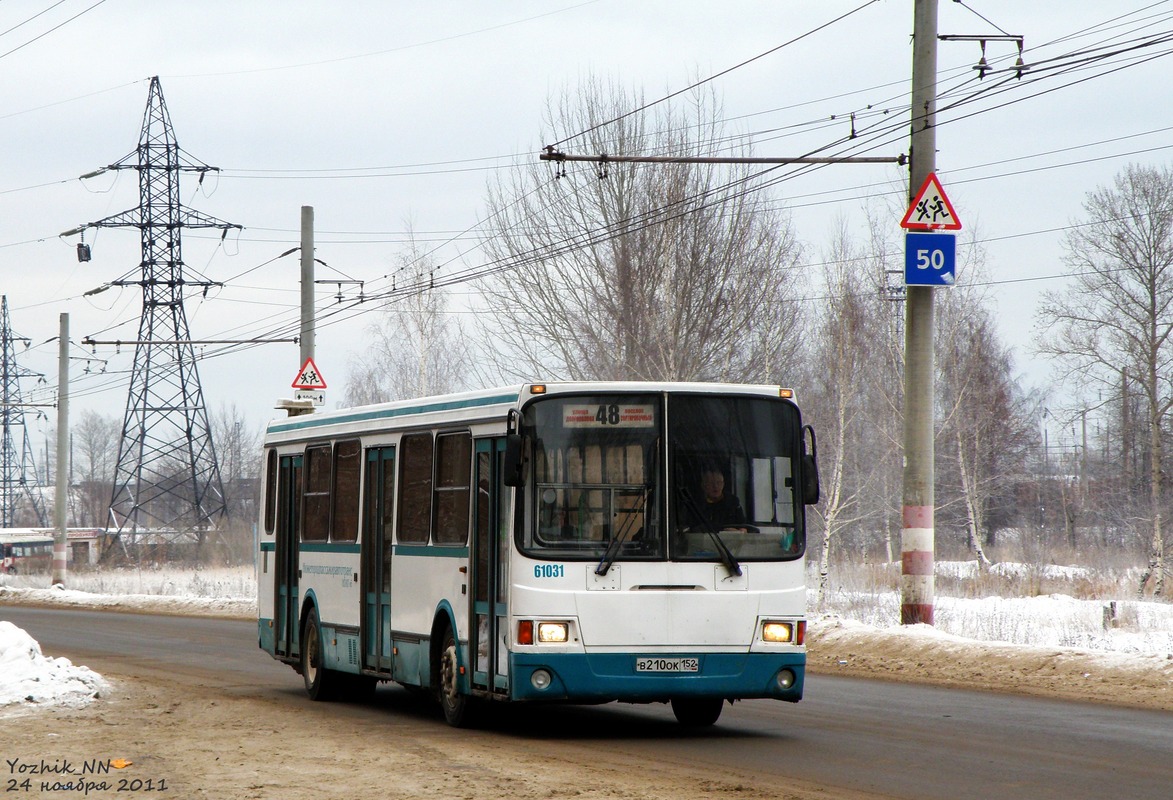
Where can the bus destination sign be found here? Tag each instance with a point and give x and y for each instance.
(613, 415)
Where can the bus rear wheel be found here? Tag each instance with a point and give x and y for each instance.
(697, 712)
(320, 683)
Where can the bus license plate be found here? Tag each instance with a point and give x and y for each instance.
(667, 665)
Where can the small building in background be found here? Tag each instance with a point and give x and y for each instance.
(30, 550)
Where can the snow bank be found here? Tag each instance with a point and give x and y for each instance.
(921, 653)
(27, 677)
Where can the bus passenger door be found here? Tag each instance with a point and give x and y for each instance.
(490, 578)
(285, 617)
(378, 508)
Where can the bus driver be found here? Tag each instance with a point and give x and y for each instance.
(719, 510)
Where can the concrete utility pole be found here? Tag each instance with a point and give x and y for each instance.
(917, 534)
(307, 283)
(61, 537)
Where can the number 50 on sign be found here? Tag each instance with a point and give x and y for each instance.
(930, 259)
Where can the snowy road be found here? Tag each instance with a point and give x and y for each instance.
(854, 737)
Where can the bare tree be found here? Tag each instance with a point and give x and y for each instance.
(93, 450)
(238, 451)
(416, 347)
(884, 442)
(640, 271)
(1118, 314)
(986, 431)
(843, 365)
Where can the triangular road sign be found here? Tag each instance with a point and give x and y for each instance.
(309, 377)
(931, 210)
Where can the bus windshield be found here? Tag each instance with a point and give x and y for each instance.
(734, 478)
(596, 487)
(594, 477)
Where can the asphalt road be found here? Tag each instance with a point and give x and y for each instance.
(898, 740)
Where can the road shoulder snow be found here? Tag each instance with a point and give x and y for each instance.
(914, 654)
(922, 654)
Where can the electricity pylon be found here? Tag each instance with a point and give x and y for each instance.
(167, 479)
(18, 474)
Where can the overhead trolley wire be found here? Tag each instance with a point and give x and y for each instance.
(598, 237)
(714, 76)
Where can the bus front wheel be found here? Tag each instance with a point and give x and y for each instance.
(456, 706)
(697, 712)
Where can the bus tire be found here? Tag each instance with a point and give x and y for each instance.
(697, 712)
(456, 706)
(320, 683)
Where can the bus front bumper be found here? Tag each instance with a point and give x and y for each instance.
(603, 677)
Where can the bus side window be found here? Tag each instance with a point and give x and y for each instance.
(270, 491)
(347, 461)
(415, 488)
(316, 519)
(453, 480)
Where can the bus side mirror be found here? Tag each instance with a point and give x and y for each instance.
(810, 468)
(513, 473)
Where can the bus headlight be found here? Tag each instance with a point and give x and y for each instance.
(553, 632)
(777, 631)
(784, 632)
(541, 679)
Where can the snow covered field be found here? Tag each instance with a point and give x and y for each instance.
(220, 591)
(1111, 627)
(1113, 622)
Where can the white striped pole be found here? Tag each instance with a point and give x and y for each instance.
(916, 545)
(916, 566)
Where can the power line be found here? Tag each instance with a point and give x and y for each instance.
(51, 30)
(357, 56)
(780, 178)
(713, 77)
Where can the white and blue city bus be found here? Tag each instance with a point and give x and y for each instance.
(552, 542)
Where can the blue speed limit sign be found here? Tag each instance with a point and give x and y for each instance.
(930, 259)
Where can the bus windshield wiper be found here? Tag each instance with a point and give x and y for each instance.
(618, 540)
(609, 556)
(726, 554)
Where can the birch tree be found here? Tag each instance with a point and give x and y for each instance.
(1117, 315)
(415, 347)
(846, 344)
(986, 432)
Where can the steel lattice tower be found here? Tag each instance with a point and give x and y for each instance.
(167, 477)
(18, 474)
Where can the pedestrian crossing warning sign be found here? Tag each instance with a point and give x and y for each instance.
(931, 210)
(309, 377)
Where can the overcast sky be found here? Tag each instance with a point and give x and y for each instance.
(376, 113)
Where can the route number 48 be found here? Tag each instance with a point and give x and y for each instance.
(608, 415)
